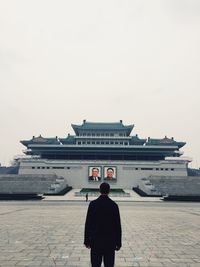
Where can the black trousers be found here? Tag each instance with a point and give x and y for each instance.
(107, 255)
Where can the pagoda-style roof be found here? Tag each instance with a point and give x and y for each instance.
(103, 140)
(70, 139)
(41, 140)
(102, 126)
(135, 140)
(164, 142)
(83, 152)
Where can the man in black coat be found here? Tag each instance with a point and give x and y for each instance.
(103, 229)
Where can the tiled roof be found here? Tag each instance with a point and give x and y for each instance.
(165, 141)
(68, 140)
(108, 126)
(41, 140)
(135, 140)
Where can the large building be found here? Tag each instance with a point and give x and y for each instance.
(103, 152)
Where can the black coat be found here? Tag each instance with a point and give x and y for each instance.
(103, 226)
(91, 178)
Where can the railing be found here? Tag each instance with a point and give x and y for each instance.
(92, 194)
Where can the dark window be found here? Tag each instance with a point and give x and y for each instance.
(107, 143)
(136, 169)
(111, 143)
(157, 169)
(58, 167)
(98, 142)
(79, 143)
(83, 142)
(68, 168)
(48, 168)
(93, 142)
(38, 167)
(102, 143)
(147, 169)
(166, 169)
(172, 169)
(43, 167)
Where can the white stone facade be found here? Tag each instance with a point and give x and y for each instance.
(128, 173)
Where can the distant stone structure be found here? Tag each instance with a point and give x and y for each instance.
(100, 152)
(105, 147)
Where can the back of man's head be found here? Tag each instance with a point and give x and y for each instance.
(104, 188)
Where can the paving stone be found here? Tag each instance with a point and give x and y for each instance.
(8, 263)
(51, 234)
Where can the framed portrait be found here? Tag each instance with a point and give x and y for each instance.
(110, 173)
(94, 173)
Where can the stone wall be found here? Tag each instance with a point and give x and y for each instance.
(128, 173)
(26, 184)
(177, 186)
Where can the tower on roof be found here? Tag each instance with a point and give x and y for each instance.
(105, 127)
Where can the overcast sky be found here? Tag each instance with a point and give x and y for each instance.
(64, 61)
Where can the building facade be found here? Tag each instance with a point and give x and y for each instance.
(100, 152)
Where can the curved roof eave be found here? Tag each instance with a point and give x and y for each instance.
(103, 126)
(181, 144)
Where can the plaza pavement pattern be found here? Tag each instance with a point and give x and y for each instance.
(50, 233)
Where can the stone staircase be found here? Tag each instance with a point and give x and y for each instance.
(177, 186)
(148, 187)
(31, 184)
(59, 185)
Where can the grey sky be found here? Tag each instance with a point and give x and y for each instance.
(65, 61)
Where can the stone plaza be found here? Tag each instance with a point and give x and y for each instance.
(50, 233)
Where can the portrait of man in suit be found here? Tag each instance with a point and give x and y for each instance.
(94, 174)
(109, 173)
(103, 229)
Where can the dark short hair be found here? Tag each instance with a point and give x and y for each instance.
(104, 188)
(110, 169)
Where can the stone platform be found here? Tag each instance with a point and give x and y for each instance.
(71, 196)
(50, 233)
